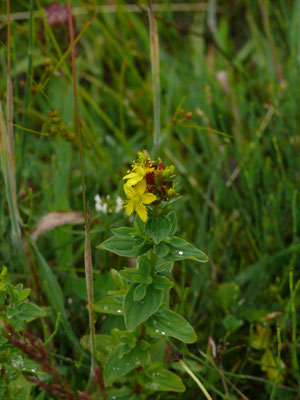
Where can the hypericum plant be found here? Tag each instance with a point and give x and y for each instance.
(142, 295)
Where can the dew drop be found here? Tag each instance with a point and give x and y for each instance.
(163, 333)
(156, 330)
(119, 311)
(154, 322)
(105, 307)
(180, 252)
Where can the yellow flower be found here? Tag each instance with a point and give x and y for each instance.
(138, 174)
(137, 198)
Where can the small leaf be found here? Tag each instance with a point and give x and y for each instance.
(136, 312)
(25, 311)
(139, 225)
(139, 292)
(103, 342)
(161, 249)
(126, 246)
(161, 282)
(227, 293)
(121, 364)
(104, 345)
(163, 267)
(231, 323)
(160, 379)
(169, 323)
(269, 365)
(23, 295)
(110, 305)
(117, 279)
(158, 228)
(180, 249)
(133, 275)
(172, 217)
(144, 266)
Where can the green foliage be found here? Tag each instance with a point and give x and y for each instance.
(17, 311)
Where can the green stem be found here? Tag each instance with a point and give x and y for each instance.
(154, 50)
(278, 364)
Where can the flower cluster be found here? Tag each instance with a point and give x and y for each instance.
(105, 205)
(148, 182)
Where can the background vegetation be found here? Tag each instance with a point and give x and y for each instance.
(230, 95)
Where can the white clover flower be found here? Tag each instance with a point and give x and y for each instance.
(102, 204)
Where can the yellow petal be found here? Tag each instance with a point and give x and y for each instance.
(129, 191)
(141, 187)
(129, 207)
(142, 212)
(140, 170)
(148, 198)
(130, 175)
(133, 181)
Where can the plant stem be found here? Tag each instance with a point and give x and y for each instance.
(87, 253)
(204, 391)
(154, 50)
(278, 364)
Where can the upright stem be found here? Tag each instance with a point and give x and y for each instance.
(154, 50)
(87, 253)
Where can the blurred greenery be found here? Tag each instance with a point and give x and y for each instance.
(230, 95)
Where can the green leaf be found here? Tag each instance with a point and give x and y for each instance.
(161, 282)
(25, 311)
(163, 267)
(140, 292)
(133, 275)
(110, 305)
(104, 345)
(126, 246)
(161, 249)
(123, 231)
(119, 394)
(227, 294)
(139, 225)
(180, 249)
(158, 228)
(19, 389)
(231, 323)
(144, 266)
(136, 312)
(172, 217)
(169, 323)
(23, 295)
(117, 279)
(121, 364)
(160, 379)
